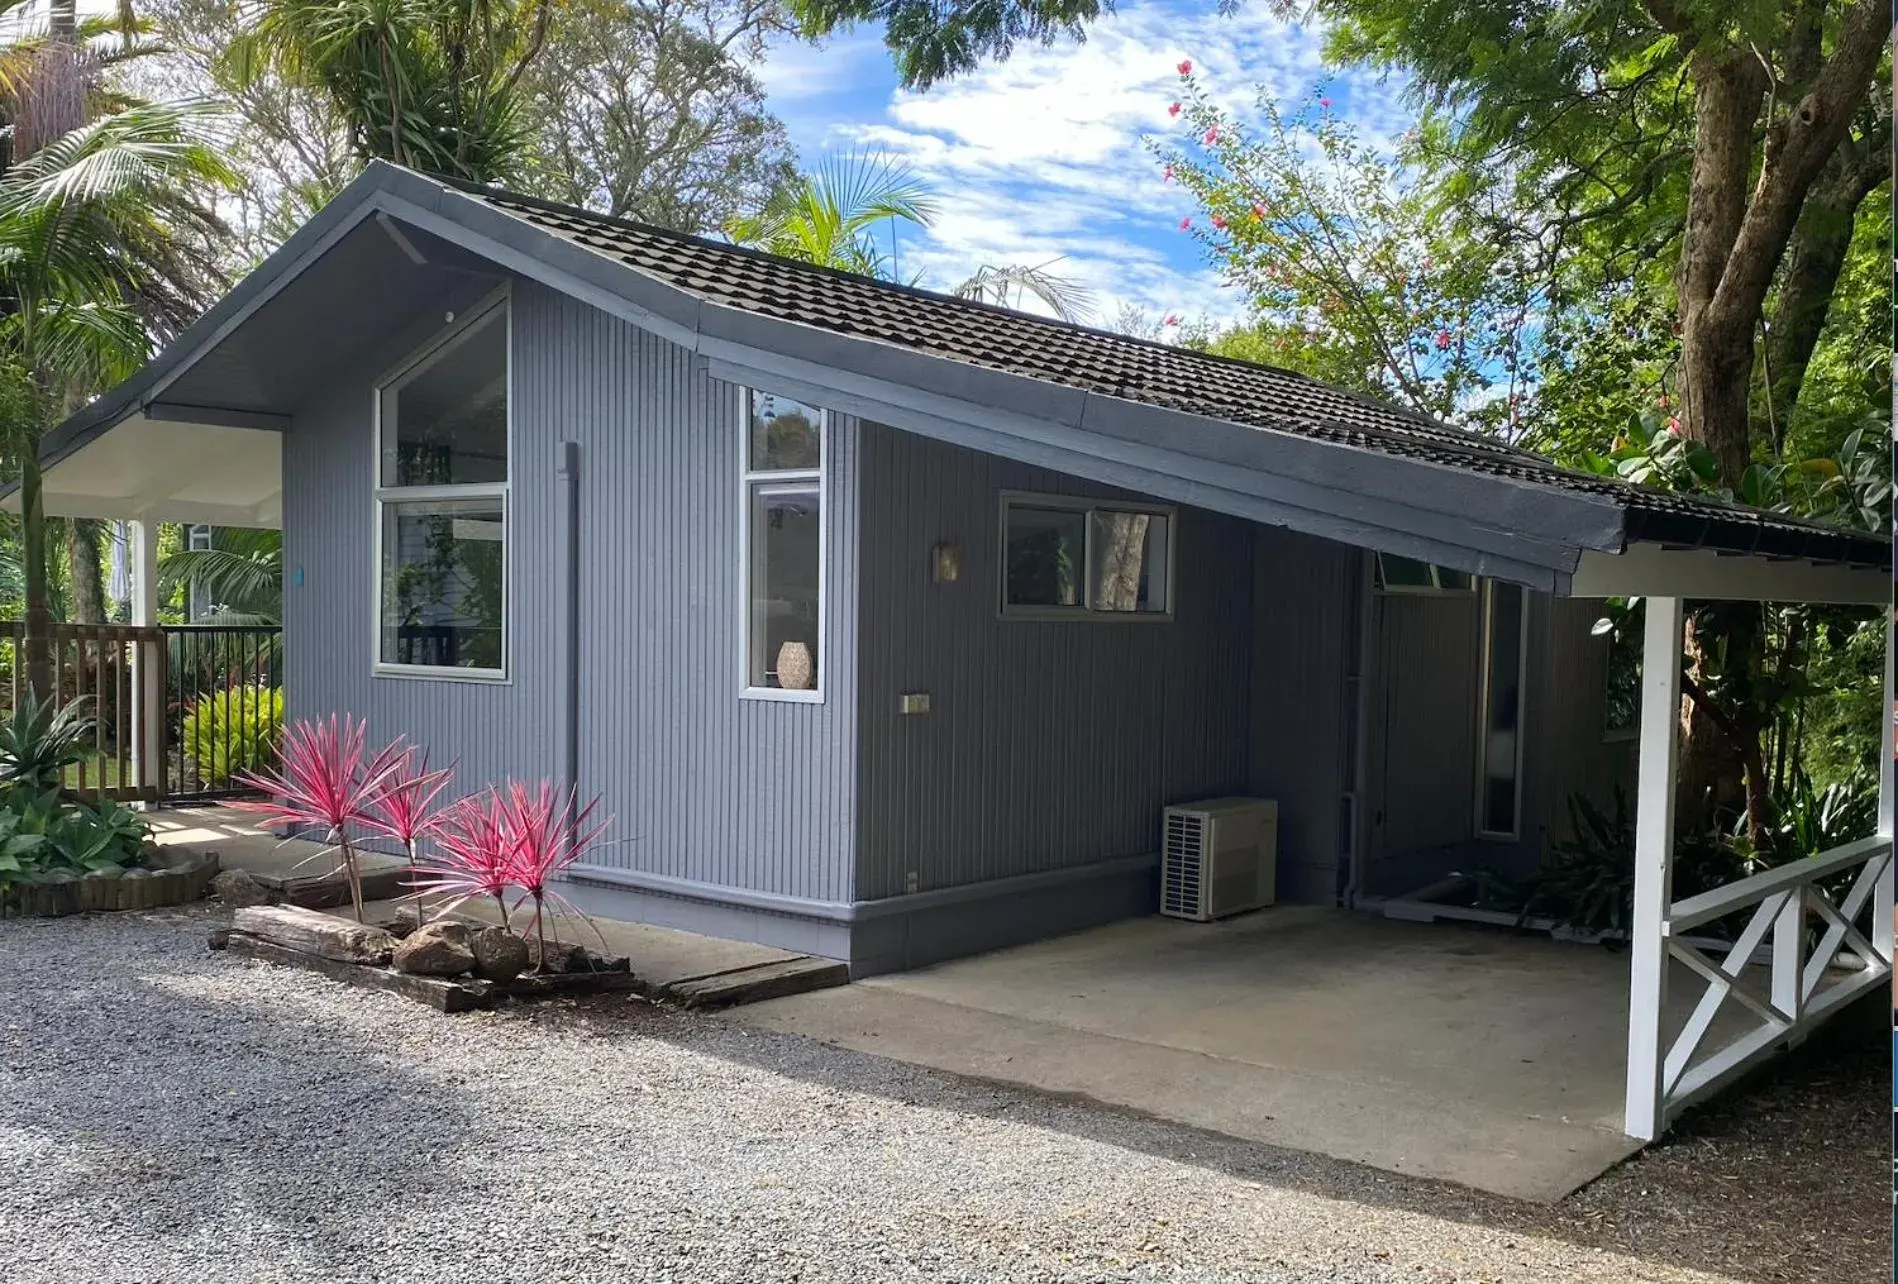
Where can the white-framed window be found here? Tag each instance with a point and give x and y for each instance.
(1500, 732)
(1065, 558)
(781, 565)
(1407, 575)
(442, 438)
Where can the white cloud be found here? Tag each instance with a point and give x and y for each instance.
(1043, 156)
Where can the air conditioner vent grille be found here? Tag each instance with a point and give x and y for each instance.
(1183, 865)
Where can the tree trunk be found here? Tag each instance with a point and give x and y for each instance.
(1813, 263)
(37, 643)
(82, 561)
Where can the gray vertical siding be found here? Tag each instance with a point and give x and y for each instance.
(704, 786)
(1051, 745)
(1303, 592)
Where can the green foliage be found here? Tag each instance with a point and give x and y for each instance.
(41, 832)
(41, 739)
(1357, 270)
(431, 84)
(238, 729)
(833, 216)
(1808, 820)
(1586, 881)
(931, 41)
(241, 574)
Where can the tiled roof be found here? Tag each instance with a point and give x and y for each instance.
(1153, 374)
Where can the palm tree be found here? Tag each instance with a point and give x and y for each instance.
(241, 574)
(831, 217)
(92, 232)
(430, 84)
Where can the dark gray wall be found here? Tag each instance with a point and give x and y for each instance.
(1303, 595)
(704, 786)
(1428, 668)
(1051, 745)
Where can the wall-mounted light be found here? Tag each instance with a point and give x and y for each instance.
(947, 562)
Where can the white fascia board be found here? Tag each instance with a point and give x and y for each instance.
(1650, 570)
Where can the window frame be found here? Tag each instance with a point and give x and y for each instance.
(383, 497)
(1086, 612)
(1487, 600)
(1435, 588)
(749, 479)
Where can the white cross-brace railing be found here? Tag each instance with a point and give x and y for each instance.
(1804, 986)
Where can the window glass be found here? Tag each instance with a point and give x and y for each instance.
(785, 434)
(786, 523)
(442, 582)
(1502, 711)
(1402, 572)
(1046, 551)
(445, 422)
(1127, 561)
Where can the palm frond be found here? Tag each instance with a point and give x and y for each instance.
(1070, 300)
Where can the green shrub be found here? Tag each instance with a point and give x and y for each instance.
(237, 729)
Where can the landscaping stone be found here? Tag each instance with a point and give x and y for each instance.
(106, 871)
(236, 889)
(499, 955)
(555, 956)
(59, 876)
(435, 949)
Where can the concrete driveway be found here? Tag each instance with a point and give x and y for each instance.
(1474, 1055)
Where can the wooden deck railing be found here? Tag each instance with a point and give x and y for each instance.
(120, 670)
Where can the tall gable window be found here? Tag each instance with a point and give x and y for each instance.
(783, 542)
(441, 505)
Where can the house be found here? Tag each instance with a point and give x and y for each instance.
(884, 623)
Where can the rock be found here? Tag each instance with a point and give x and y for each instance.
(558, 956)
(59, 876)
(235, 890)
(148, 850)
(434, 949)
(105, 872)
(499, 955)
(137, 871)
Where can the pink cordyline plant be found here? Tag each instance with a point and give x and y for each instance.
(405, 809)
(470, 856)
(325, 777)
(547, 831)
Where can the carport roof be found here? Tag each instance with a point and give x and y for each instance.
(747, 312)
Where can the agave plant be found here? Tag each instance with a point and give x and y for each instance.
(328, 779)
(471, 855)
(405, 808)
(546, 831)
(42, 739)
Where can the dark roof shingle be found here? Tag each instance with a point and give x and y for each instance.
(1154, 374)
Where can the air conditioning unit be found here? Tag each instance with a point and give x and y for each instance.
(1218, 857)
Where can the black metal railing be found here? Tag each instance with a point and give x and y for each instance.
(223, 707)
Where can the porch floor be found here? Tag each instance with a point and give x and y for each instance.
(1477, 1056)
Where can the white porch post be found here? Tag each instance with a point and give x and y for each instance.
(1887, 793)
(148, 661)
(1653, 862)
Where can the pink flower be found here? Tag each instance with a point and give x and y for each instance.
(1258, 212)
(1212, 135)
(1674, 425)
(1170, 320)
(1186, 224)
(1166, 175)
(1325, 103)
(1219, 222)
(1174, 110)
(1443, 338)
(1186, 67)
(1661, 402)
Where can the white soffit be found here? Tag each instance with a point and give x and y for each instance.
(168, 471)
(1651, 570)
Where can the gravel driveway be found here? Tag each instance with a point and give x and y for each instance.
(167, 1114)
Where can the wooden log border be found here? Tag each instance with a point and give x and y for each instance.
(179, 885)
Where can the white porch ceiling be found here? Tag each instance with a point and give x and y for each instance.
(146, 469)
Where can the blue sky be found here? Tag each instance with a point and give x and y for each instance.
(1042, 155)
